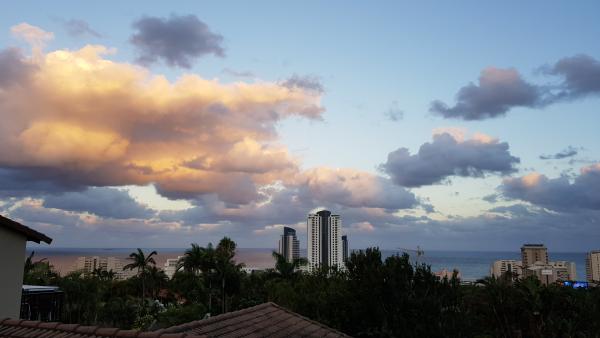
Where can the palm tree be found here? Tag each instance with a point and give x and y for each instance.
(225, 266)
(200, 260)
(141, 262)
(285, 268)
(157, 279)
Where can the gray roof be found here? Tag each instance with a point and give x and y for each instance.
(264, 320)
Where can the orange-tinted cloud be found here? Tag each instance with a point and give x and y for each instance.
(94, 121)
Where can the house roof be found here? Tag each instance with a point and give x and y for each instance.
(264, 320)
(17, 328)
(31, 234)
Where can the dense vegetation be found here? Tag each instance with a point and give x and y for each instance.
(373, 298)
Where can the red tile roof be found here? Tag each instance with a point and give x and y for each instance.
(18, 328)
(264, 320)
(31, 234)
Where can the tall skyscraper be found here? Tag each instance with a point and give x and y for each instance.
(324, 240)
(532, 253)
(592, 268)
(289, 246)
(345, 248)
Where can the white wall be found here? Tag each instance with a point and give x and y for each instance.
(12, 259)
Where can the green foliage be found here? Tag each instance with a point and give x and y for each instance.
(372, 297)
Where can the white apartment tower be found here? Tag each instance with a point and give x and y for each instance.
(324, 240)
(592, 268)
(289, 246)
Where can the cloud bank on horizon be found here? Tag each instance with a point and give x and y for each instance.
(79, 128)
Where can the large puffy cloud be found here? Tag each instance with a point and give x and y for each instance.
(352, 188)
(178, 40)
(560, 193)
(449, 154)
(500, 90)
(105, 202)
(78, 119)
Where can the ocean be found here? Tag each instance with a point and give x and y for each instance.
(471, 264)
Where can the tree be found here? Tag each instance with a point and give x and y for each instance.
(287, 269)
(141, 262)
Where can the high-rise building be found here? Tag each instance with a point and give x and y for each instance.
(592, 266)
(324, 240)
(345, 248)
(289, 246)
(534, 254)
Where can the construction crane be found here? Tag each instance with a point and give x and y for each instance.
(418, 251)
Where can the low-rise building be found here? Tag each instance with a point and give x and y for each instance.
(13, 239)
(171, 266)
(91, 264)
(501, 267)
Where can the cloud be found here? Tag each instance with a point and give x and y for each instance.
(560, 194)
(570, 151)
(394, 114)
(580, 75)
(236, 73)
(35, 36)
(78, 119)
(79, 28)
(177, 40)
(355, 189)
(449, 155)
(311, 83)
(497, 92)
(105, 202)
(13, 69)
(500, 90)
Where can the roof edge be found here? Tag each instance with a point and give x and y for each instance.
(29, 233)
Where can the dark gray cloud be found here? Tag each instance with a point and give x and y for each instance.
(447, 156)
(177, 40)
(394, 113)
(13, 69)
(580, 74)
(105, 202)
(570, 151)
(500, 90)
(79, 28)
(497, 92)
(561, 193)
(306, 82)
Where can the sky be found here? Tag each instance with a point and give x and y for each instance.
(449, 126)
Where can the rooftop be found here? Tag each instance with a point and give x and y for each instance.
(264, 320)
(31, 234)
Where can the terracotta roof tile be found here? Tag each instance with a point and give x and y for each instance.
(17, 328)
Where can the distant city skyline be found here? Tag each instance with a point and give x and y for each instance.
(162, 125)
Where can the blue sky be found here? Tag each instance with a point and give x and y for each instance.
(365, 60)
